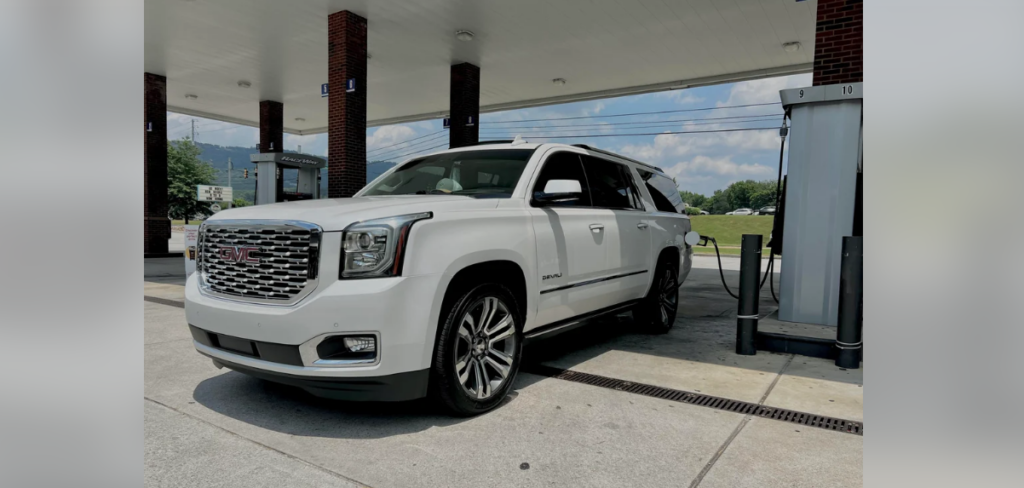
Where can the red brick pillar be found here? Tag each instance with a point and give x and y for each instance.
(272, 135)
(346, 110)
(839, 42)
(464, 103)
(157, 225)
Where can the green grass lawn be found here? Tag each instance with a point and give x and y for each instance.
(182, 222)
(728, 230)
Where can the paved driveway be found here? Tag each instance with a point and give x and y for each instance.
(205, 426)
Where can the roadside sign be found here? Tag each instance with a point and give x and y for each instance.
(215, 207)
(323, 90)
(208, 193)
(447, 123)
(191, 239)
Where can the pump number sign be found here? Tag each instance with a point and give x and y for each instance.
(214, 193)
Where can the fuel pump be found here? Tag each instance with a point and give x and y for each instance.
(271, 167)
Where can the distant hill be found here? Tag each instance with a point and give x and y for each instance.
(243, 188)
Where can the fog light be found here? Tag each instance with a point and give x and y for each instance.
(360, 344)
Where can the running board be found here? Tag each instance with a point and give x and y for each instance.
(566, 325)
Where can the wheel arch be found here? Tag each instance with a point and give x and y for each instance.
(502, 266)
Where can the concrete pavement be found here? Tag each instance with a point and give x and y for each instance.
(206, 426)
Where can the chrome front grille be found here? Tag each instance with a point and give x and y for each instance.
(261, 261)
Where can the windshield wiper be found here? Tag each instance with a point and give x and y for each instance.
(432, 192)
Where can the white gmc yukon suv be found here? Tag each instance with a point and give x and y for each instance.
(430, 279)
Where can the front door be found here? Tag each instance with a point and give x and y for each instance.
(571, 243)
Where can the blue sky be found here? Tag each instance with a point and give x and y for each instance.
(700, 162)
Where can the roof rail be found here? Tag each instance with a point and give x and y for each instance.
(609, 153)
(493, 141)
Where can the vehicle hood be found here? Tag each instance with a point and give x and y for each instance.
(333, 214)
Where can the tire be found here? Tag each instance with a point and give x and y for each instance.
(657, 311)
(466, 350)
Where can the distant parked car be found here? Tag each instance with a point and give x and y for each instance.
(769, 210)
(704, 212)
(741, 211)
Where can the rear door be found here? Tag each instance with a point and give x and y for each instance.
(668, 222)
(613, 189)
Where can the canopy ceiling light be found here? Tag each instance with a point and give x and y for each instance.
(791, 47)
(191, 96)
(558, 81)
(464, 35)
(244, 84)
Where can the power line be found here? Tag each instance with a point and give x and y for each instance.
(388, 154)
(418, 151)
(657, 125)
(571, 136)
(644, 121)
(636, 113)
(405, 141)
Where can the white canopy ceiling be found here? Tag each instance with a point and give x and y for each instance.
(601, 48)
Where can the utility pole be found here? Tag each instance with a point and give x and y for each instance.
(193, 131)
(229, 182)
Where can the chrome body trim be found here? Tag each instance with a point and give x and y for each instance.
(591, 282)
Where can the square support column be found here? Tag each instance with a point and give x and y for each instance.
(346, 104)
(839, 42)
(157, 224)
(271, 126)
(464, 103)
(272, 136)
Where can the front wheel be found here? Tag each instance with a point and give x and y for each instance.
(478, 350)
(657, 311)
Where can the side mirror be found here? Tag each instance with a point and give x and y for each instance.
(559, 191)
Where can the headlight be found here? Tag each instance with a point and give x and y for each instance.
(376, 248)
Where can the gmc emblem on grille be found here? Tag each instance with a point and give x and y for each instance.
(239, 254)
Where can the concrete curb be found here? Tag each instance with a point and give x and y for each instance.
(733, 256)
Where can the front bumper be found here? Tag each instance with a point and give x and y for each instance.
(392, 388)
(400, 311)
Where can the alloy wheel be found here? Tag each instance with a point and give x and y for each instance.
(668, 296)
(485, 349)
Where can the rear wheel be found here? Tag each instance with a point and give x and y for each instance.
(478, 350)
(657, 311)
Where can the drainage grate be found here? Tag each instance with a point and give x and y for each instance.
(745, 408)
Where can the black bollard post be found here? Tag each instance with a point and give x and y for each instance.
(851, 275)
(746, 316)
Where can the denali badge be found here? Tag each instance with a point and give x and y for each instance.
(551, 276)
(239, 254)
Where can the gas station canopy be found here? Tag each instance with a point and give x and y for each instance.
(222, 57)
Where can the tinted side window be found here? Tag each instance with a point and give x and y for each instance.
(663, 191)
(564, 166)
(611, 184)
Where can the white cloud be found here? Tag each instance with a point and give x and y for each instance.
(765, 90)
(387, 135)
(682, 97)
(703, 167)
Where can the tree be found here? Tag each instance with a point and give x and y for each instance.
(694, 199)
(718, 203)
(239, 202)
(762, 198)
(184, 172)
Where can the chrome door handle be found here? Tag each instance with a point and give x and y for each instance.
(595, 228)
(641, 225)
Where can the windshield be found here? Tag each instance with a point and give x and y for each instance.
(484, 173)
